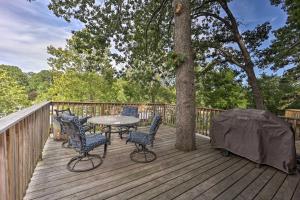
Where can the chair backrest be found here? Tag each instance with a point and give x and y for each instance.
(130, 111)
(75, 131)
(58, 115)
(156, 121)
(65, 111)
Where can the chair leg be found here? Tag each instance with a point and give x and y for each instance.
(83, 158)
(66, 144)
(121, 135)
(142, 155)
(105, 150)
(123, 132)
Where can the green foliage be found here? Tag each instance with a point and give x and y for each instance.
(272, 92)
(174, 60)
(220, 89)
(141, 35)
(285, 48)
(74, 86)
(38, 84)
(91, 86)
(83, 52)
(280, 92)
(12, 95)
(16, 72)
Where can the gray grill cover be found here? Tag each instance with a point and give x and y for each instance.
(257, 135)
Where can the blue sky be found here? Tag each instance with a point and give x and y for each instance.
(26, 29)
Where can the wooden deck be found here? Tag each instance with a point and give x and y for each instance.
(201, 174)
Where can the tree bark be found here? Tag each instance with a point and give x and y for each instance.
(185, 78)
(249, 65)
(249, 69)
(252, 81)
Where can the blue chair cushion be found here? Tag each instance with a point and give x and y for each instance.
(139, 138)
(130, 111)
(92, 141)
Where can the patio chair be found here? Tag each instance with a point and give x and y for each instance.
(141, 139)
(128, 111)
(82, 120)
(83, 143)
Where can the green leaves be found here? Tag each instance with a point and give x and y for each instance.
(220, 89)
(13, 95)
(174, 60)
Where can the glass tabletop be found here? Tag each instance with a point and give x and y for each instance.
(113, 120)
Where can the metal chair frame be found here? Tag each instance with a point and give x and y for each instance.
(84, 155)
(141, 148)
(128, 111)
(83, 121)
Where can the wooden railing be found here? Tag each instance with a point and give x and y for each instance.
(168, 112)
(295, 123)
(146, 111)
(22, 138)
(292, 113)
(24, 133)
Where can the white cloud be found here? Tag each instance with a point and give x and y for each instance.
(26, 29)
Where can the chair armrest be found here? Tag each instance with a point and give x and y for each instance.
(83, 120)
(88, 127)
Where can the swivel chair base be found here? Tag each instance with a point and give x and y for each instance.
(142, 155)
(84, 162)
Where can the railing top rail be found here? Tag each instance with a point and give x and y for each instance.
(12, 119)
(117, 103)
(297, 110)
(289, 118)
(214, 109)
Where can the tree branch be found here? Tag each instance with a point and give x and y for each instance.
(151, 19)
(208, 67)
(230, 58)
(208, 14)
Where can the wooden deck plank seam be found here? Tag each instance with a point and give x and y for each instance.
(170, 158)
(131, 163)
(236, 182)
(221, 179)
(297, 185)
(200, 173)
(239, 180)
(103, 173)
(279, 187)
(264, 186)
(250, 182)
(232, 162)
(175, 171)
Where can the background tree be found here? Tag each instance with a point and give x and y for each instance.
(13, 96)
(219, 39)
(221, 89)
(285, 48)
(38, 84)
(16, 72)
(117, 19)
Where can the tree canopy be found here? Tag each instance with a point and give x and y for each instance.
(12, 94)
(126, 52)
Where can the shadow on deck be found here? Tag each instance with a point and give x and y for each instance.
(201, 174)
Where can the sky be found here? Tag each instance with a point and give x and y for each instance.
(27, 28)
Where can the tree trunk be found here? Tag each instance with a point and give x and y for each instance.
(252, 81)
(249, 69)
(185, 78)
(249, 66)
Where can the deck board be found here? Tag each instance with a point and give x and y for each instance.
(201, 174)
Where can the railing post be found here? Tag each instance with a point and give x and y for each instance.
(164, 113)
(3, 168)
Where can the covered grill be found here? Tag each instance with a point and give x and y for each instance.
(257, 135)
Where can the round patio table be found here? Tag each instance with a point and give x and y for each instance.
(113, 120)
